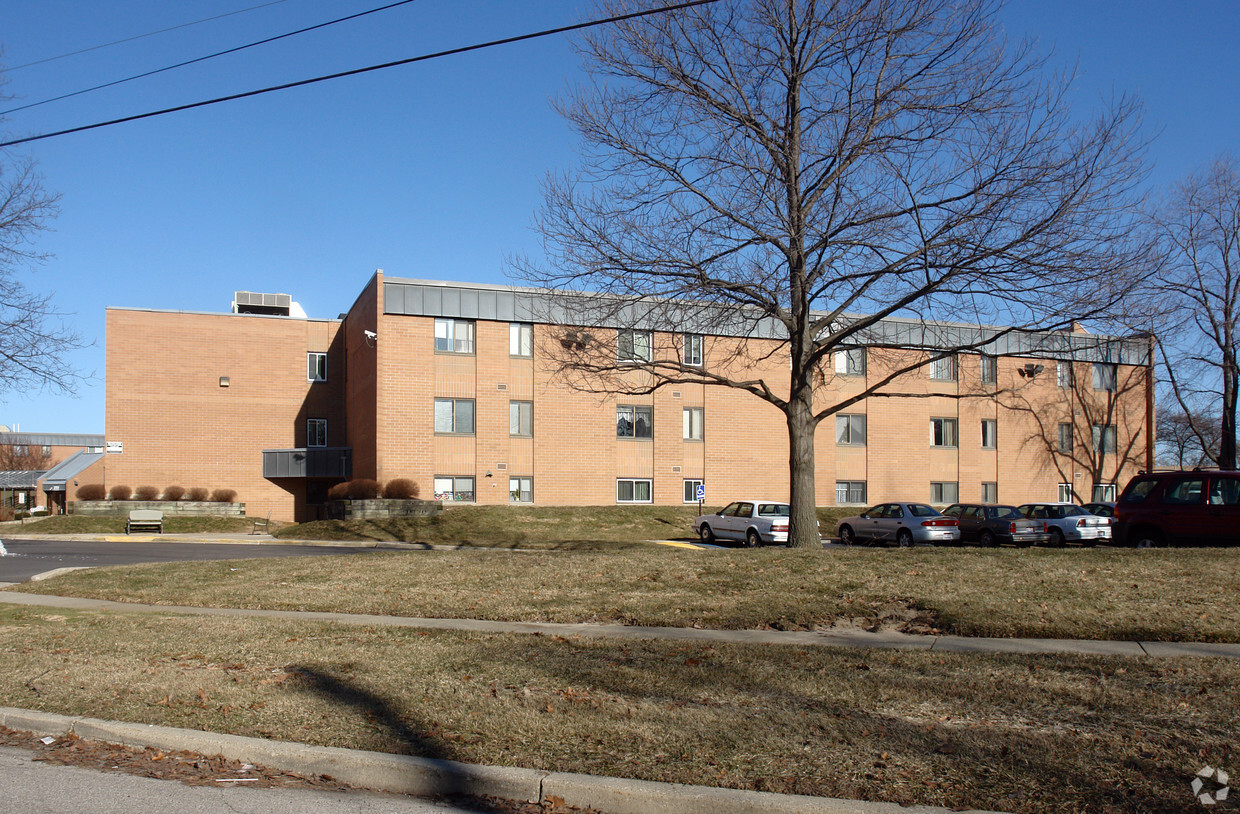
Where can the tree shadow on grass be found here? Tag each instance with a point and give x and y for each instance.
(449, 783)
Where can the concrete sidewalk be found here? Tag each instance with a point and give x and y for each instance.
(379, 771)
(826, 638)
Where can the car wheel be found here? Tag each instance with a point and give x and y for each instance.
(847, 537)
(752, 539)
(1148, 537)
(1057, 539)
(987, 538)
(705, 534)
(904, 539)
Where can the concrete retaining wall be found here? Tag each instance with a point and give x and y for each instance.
(170, 508)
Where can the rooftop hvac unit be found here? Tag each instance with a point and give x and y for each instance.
(253, 302)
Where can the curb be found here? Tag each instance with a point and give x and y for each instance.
(425, 777)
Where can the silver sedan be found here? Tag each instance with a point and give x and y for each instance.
(905, 524)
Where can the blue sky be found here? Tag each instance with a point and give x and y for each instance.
(430, 170)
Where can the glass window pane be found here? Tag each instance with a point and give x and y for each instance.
(443, 415)
(643, 423)
(464, 415)
(641, 490)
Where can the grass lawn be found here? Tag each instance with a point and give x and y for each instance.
(97, 524)
(1015, 733)
(1104, 593)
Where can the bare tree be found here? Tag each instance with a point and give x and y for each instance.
(24, 457)
(34, 342)
(1090, 429)
(1186, 441)
(800, 172)
(1200, 343)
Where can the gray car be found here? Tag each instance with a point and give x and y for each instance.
(904, 524)
(1068, 522)
(752, 522)
(992, 525)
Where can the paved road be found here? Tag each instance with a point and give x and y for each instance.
(32, 787)
(32, 556)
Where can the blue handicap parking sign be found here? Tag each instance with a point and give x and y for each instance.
(700, 492)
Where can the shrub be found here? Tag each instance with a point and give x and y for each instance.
(363, 489)
(6, 514)
(174, 493)
(223, 495)
(196, 493)
(400, 489)
(92, 491)
(338, 491)
(120, 493)
(145, 493)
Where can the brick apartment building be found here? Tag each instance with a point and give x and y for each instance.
(447, 384)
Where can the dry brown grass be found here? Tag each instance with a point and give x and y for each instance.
(1015, 733)
(1168, 595)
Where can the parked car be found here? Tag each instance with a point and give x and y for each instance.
(1198, 507)
(1102, 508)
(902, 523)
(1068, 522)
(752, 522)
(992, 525)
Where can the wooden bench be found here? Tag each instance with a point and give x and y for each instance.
(261, 524)
(145, 520)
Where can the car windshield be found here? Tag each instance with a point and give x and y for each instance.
(1003, 513)
(1138, 491)
(921, 510)
(1072, 511)
(774, 510)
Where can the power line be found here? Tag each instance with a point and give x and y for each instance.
(355, 71)
(209, 56)
(142, 36)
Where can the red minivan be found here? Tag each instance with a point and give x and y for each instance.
(1182, 507)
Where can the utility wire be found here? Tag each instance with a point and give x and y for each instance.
(141, 36)
(208, 56)
(355, 71)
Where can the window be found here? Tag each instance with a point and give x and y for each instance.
(943, 432)
(454, 335)
(692, 423)
(1065, 493)
(943, 492)
(1065, 439)
(990, 492)
(20, 450)
(850, 362)
(693, 350)
(849, 492)
(691, 487)
(1104, 376)
(1104, 438)
(1063, 375)
(520, 490)
(316, 367)
(990, 433)
(455, 489)
(520, 418)
(850, 429)
(634, 421)
(520, 339)
(1104, 492)
(990, 370)
(943, 369)
(47, 451)
(454, 416)
(633, 346)
(316, 432)
(633, 490)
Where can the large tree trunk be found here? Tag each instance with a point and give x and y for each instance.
(804, 529)
(1227, 443)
